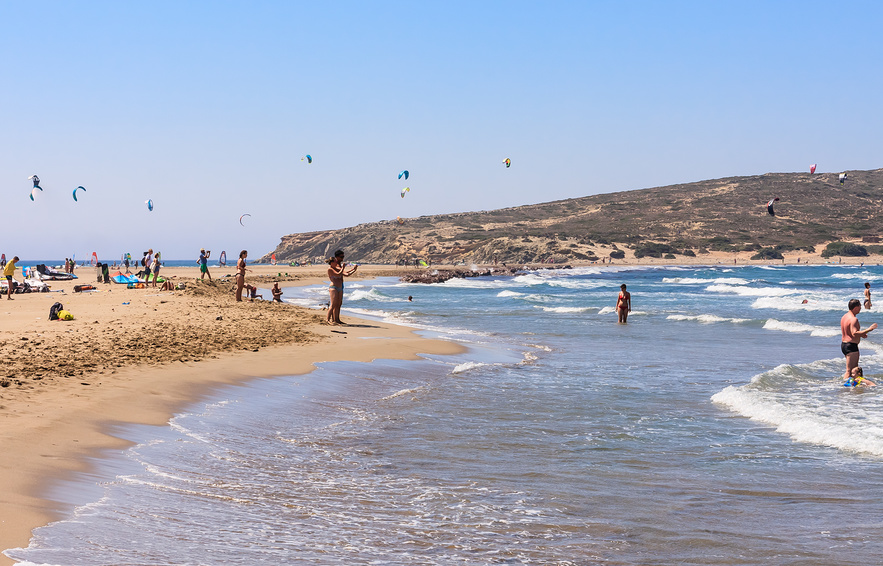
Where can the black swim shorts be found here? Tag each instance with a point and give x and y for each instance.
(848, 348)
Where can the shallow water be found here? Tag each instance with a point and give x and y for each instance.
(712, 429)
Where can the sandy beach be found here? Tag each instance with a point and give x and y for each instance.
(140, 355)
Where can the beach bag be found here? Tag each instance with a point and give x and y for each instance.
(65, 315)
(53, 311)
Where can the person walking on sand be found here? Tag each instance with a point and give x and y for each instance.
(852, 334)
(203, 264)
(867, 296)
(336, 274)
(240, 274)
(9, 272)
(623, 304)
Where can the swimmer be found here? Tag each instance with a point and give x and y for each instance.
(858, 379)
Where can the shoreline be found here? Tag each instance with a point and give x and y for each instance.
(59, 414)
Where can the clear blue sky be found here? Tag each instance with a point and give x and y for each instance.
(208, 107)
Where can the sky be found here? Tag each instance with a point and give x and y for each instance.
(207, 107)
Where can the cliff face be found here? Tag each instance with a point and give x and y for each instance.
(718, 214)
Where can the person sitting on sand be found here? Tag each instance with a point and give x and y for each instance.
(252, 292)
(167, 285)
(336, 274)
(277, 292)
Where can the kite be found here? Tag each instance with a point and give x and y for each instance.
(243, 216)
(400, 220)
(812, 168)
(34, 191)
(404, 174)
(769, 206)
(843, 178)
(75, 192)
(405, 190)
(308, 157)
(507, 162)
(149, 203)
(36, 181)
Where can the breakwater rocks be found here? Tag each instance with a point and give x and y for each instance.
(442, 275)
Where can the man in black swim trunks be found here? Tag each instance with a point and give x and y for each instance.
(852, 335)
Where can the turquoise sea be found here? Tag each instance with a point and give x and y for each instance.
(711, 429)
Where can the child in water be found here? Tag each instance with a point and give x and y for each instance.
(857, 378)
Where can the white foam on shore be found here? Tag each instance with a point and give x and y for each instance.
(566, 309)
(805, 419)
(752, 291)
(508, 293)
(784, 326)
(699, 281)
(707, 318)
(466, 366)
(795, 303)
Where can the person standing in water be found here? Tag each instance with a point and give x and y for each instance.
(867, 296)
(336, 274)
(623, 304)
(852, 334)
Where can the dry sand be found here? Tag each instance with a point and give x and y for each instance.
(140, 355)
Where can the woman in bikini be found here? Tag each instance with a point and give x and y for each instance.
(623, 304)
(240, 274)
(336, 274)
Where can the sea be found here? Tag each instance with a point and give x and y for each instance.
(713, 428)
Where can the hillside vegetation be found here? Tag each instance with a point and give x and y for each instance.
(722, 214)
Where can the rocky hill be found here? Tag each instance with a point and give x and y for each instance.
(722, 214)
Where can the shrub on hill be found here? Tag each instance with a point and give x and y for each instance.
(652, 249)
(689, 253)
(669, 256)
(876, 250)
(768, 253)
(617, 254)
(844, 248)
